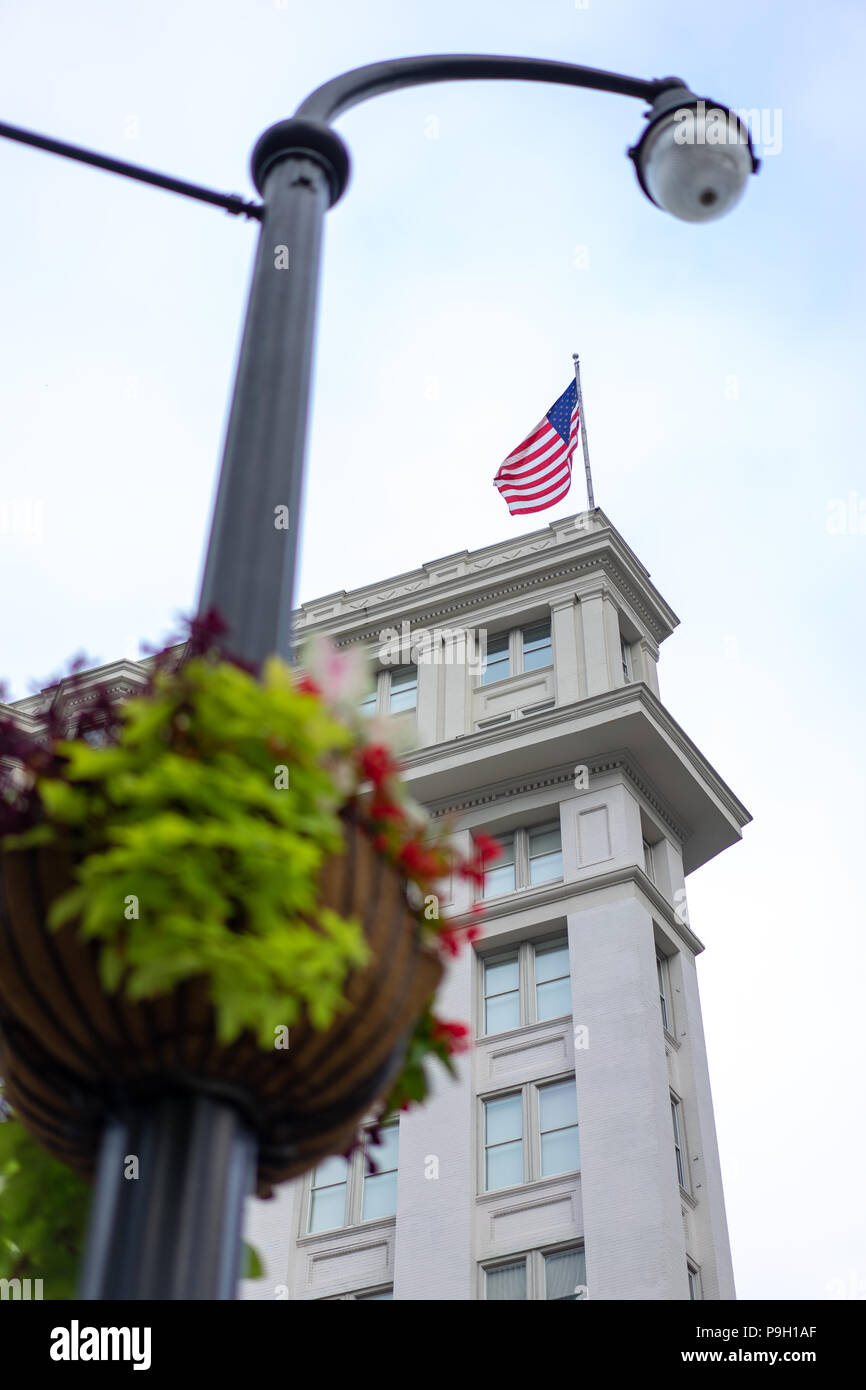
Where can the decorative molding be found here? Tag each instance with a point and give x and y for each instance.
(555, 896)
(611, 763)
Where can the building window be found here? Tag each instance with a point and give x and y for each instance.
(521, 650)
(498, 661)
(559, 1275)
(676, 1118)
(530, 857)
(500, 877)
(506, 1281)
(537, 644)
(380, 1188)
(328, 1195)
(529, 984)
(565, 1275)
(503, 1142)
(694, 1281)
(625, 651)
(345, 1192)
(664, 989)
(395, 689)
(545, 853)
(552, 981)
(403, 689)
(557, 1123)
(648, 862)
(501, 994)
(544, 1115)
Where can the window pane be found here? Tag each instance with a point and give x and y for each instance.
(505, 1166)
(560, 1151)
(545, 853)
(543, 839)
(626, 659)
(499, 880)
(537, 646)
(375, 1297)
(380, 1195)
(384, 1154)
(553, 999)
(663, 1002)
(551, 962)
(498, 663)
(506, 1282)
(501, 1012)
(367, 704)
(564, 1273)
(328, 1208)
(546, 868)
(557, 1105)
(500, 975)
(504, 1119)
(329, 1171)
(404, 689)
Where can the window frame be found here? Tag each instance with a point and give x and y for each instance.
(533, 1261)
(516, 666)
(381, 692)
(526, 952)
(530, 1134)
(663, 974)
(693, 1271)
(356, 1174)
(680, 1145)
(627, 663)
(522, 861)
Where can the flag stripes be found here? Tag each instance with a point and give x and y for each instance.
(537, 474)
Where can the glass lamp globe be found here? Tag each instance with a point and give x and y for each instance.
(694, 163)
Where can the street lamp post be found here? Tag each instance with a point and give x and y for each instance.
(175, 1232)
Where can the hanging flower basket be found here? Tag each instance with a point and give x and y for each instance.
(232, 894)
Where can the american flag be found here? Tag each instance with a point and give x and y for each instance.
(538, 472)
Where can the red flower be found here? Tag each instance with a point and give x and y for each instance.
(420, 862)
(486, 848)
(456, 1036)
(377, 763)
(449, 941)
(308, 686)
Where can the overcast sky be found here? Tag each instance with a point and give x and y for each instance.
(491, 230)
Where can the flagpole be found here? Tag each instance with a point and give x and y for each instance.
(582, 422)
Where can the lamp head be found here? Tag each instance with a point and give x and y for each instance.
(694, 157)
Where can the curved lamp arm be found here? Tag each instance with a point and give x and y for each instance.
(330, 100)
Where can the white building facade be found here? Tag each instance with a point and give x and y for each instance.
(575, 1155)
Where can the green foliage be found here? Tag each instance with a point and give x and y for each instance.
(195, 858)
(45, 1205)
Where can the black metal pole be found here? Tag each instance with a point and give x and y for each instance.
(168, 1200)
(249, 571)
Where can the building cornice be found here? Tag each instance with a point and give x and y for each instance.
(555, 898)
(565, 554)
(616, 762)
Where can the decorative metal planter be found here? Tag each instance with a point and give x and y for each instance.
(72, 1055)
